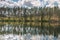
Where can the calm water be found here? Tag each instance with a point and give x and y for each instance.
(28, 32)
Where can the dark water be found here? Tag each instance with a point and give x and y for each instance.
(39, 31)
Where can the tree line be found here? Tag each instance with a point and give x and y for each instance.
(17, 12)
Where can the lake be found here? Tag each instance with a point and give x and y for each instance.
(21, 31)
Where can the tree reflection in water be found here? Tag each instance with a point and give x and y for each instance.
(31, 31)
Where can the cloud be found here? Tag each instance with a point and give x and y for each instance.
(36, 3)
(29, 3)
